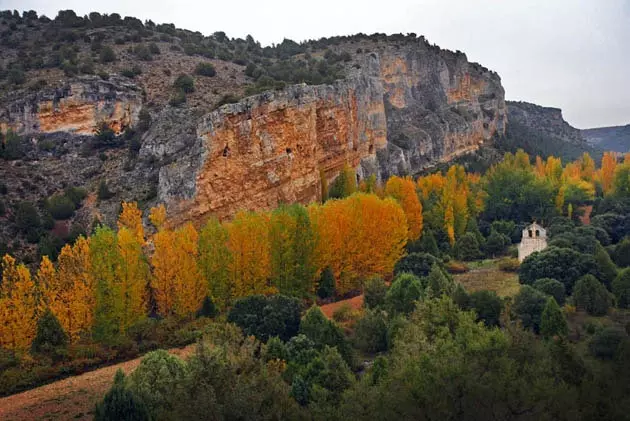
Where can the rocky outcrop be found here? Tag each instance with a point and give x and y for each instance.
(546, 120)
(76, 107)
(398, 112)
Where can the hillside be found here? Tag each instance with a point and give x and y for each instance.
(108, 109)
(609, 138)
(543, 131)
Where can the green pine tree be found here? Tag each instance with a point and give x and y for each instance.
(552, 321)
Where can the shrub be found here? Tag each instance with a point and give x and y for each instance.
(208, 309)
(143, 53)
(467, 247)
(76, 195)
(155, 379)
(418, 264)
(132, 72)
(265, 317)
(205, 69)
(508, 264)
(103, 192)
(105, 135)
(12, 148)
(107, 55)
(27, 217)
(323, 332)
(606, 342)
(326, 288)
(50, 337)
(374, 292)
(184, 83)
(3, 208)
(60, 207)
(528, 306)
(591, 295)
(275, 349)
(403, 294)
(488, 306)
(497, 243)
(621, 288)
(345, 313)
(552, 288)
(439, 283)
(370, 332)
(227, 99)
(16, 76)
(552, 322)
(120, 403)
(177, 99)
(154, 49)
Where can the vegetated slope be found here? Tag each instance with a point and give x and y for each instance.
(543, 131)
(615, 138)
(128, 111)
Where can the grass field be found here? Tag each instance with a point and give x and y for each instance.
(485, 274)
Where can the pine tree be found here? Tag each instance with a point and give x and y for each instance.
(326, 288)
(120, 403)
(439, 282)
(621, 288)
(50, 336)
(552, 321)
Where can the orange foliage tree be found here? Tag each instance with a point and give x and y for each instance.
(177, 284)
(18, 306)
(606, 174)
(404, 191)
(359, 237)
(131, 218)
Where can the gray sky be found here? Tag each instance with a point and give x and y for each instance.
(571, 54)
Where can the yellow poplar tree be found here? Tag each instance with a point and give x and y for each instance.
(404, 191)
(132, 275)
(75, 290)
(178, 286)
(131, 218)
(18, 306)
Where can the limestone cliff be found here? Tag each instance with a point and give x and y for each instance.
(398, 113)
(75, 107)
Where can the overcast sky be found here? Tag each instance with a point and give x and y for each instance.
(571, 54)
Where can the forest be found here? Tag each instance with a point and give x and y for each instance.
(426, 342)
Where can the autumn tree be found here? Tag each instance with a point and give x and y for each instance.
(250, 268)
(607, 171)
(292, 245)
(132, 277)
(70, 294)
(347, 231)
(404, 191)
(177, 284)
(215, 260)
(131, 218)
(18, 306)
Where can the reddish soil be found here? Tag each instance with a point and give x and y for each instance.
(586, 218)
(355, 302)
(72, 398)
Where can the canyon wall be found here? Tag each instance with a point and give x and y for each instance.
(77, 107)
(398, 112)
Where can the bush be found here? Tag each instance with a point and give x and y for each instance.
(403, 294)
(184, 83)
(621, 288)
(345, 313)
(107, 55)
(205, 69)
(509, 264)
(131, 73)
(552, 322)
(606, 342)
(439, 282)
(370, 332)
(488, 306)
(154, 49)
(16, 76)
(60, 207)
(120, 403)
(374, 292)
(323, 332)
(50, 337)
(265, 317)
(275, 349)
(497, 243)
(27, 217)
(552, 288)
(12, 147)
(105, 135)
(208, 309)
(103, 192)
(418, 264)
(467, 247)
(326, 288)
(592, 296)
(528, 306)
(455, 267)
(177, 99)
(155, 379)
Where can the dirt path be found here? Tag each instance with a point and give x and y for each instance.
(69, 399)
(355, 302)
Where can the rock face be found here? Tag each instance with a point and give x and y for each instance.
(76, 108)
(615, 139)
(546, 120)
(403, 110)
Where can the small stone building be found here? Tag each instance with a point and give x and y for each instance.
(534, 239)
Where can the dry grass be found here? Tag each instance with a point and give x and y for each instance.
(486, 275)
